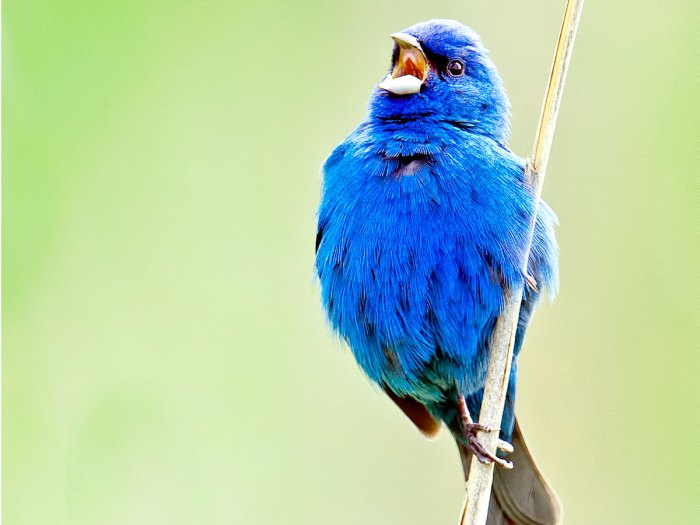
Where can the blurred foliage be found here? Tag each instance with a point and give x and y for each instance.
(165, 356)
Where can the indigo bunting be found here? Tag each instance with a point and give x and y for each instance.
(422, 229)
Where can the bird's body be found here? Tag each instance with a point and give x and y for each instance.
(423, 227)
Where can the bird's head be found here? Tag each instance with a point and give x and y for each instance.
(441, 71)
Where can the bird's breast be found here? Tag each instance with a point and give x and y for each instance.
(414, 259)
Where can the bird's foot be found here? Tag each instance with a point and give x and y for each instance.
(530, 282)
(530, 170)
(477, 448)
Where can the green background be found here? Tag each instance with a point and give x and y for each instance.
(166, 360)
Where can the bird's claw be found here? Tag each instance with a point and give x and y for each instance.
(505, 446)
(530, 170)
(479, 450)
(531, 282)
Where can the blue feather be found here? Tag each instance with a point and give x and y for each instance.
(423, 224)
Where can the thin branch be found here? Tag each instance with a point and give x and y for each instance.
(503, 336)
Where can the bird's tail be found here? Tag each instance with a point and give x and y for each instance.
(520, 496)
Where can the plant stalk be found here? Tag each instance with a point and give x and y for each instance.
(503, 336)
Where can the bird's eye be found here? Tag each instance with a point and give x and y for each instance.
(455, 68)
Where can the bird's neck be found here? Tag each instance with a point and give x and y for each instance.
(419, 135)
(404, 137)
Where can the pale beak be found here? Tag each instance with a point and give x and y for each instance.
(411, 68)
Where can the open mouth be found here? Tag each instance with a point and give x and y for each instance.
(411, 68)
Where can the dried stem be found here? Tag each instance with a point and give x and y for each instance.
(503, 336)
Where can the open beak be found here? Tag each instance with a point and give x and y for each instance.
(411, 68)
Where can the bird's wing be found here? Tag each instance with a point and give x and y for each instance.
(417, 413)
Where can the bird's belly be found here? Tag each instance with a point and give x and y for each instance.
(415, 301)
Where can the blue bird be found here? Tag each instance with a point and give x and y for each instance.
(422, 229)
